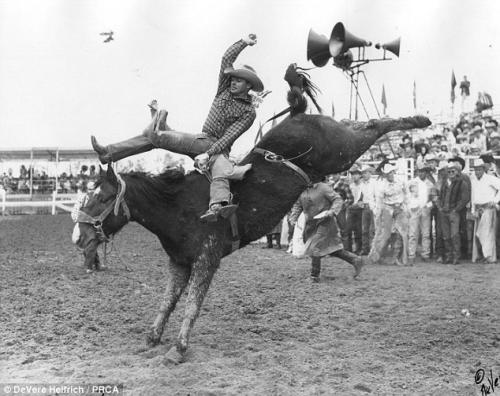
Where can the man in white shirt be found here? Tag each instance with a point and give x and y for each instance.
(419, 206)
(391, 214)
(367, 220)
(485, 198)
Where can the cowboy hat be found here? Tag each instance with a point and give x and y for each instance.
(443, 165)
(418, 146)
(423, 166)
(478, 163)
(367, 168)
(487, 158)
(459, 160)
(453, 165)
(355, 169)
(388, 168)
(246, 73)
(431, 157)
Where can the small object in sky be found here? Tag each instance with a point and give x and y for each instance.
(109, 34)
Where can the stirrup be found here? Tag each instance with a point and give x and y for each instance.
(212, 214)
(227, 210)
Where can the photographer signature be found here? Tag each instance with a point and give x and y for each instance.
(488, 386)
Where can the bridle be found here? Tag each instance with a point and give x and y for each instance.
(97, 221)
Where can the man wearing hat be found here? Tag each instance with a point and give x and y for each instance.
(232, 113)
(321, 205)
(484, 201)
(466, 226)
(495, 142)
(453, 198)
(419, 206)
(391, 214)
(432, 165)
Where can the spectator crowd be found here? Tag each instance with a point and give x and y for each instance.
(41, 183)
(446, 211)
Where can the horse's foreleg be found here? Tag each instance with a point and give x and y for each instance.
(178, 277)
(201, 276)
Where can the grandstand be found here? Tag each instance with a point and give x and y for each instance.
(37, 180)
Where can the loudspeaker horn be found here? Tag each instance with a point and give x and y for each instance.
(391, 46)
(318, 50)
(341, 40)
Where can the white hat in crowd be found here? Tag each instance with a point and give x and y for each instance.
(388, 168)
(479, 163)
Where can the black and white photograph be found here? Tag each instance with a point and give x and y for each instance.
(235, 197)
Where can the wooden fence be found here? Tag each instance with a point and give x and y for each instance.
(54, 201)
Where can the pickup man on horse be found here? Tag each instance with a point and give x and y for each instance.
(232, 113)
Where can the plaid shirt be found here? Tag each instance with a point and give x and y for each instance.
(229, 115)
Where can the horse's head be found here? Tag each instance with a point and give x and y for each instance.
(103, 214)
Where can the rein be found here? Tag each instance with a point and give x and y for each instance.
(276, 158)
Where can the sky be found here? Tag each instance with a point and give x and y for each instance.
(59, 83)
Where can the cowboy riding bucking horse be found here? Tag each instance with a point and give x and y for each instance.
(232, 113)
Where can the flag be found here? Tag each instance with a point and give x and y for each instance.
(384, 99)
(414, 94)
(453, 85)
(259, 134)
(333, 110)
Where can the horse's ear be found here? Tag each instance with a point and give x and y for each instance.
(110, 174)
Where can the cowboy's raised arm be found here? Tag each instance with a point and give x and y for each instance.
(229, 57)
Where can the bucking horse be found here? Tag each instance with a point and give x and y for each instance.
(298, 151)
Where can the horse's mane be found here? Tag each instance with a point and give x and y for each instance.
(164, 186)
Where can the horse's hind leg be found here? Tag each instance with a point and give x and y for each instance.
(201, 276)
(178, 277)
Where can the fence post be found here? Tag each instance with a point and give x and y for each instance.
(54, 195)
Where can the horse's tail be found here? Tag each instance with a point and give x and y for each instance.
(297, 101)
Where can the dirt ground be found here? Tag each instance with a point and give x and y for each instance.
(263, 329)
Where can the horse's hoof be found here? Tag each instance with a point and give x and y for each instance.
(358, 265)
(152, 339)
(173, 357)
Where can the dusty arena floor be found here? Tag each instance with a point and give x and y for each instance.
(263, 329)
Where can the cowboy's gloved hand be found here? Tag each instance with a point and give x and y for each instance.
(201, 161)
(251, 39)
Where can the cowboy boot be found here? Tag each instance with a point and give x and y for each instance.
(315, 269)
(102, 152)
(161, 121)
